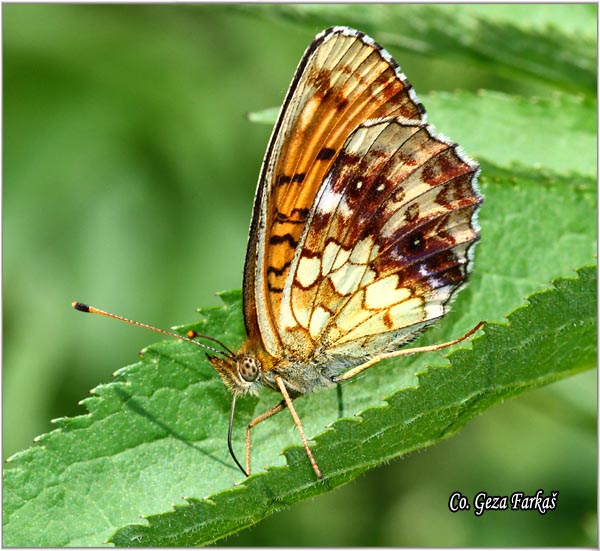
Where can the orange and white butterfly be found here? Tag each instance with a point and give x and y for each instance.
(362, 231)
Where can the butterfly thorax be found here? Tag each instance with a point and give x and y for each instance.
(303, 376)
(253, 368)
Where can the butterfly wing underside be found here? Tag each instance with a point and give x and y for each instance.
(388, 242)
(343, 80)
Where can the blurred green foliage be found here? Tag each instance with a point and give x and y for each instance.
(129, 171)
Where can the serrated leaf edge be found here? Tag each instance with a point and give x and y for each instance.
(360, 418)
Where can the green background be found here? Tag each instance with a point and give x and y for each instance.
(129, 172)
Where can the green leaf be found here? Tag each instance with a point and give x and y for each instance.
(555, 46)
(540, 132)
(157, 433)
(510, 359)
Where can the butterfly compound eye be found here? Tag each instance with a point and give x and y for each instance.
(248, 368)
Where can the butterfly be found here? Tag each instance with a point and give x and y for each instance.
(363, 229)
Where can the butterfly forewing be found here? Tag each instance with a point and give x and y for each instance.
(343, 80)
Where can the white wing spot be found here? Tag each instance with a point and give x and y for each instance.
(409, 313)
(308, 271)
(423, 271)
(347, 279)
(333, 257)
(368, 277)
(362, 251)
(288, 321)
(329, 202)
(433, 311)
(344, 210)
(319, 318)
(355, 145)
(301, 312)
(383, 293)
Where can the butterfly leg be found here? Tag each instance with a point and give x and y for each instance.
(275, 409)
(298, 423)
(360, 368)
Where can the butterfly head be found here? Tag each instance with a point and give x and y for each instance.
(241, 373)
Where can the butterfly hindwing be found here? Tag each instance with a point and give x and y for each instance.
(387, 243)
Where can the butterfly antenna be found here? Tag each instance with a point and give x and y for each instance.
(91, 310)
(193, 334)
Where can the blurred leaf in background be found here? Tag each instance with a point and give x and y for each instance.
(129, 173)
